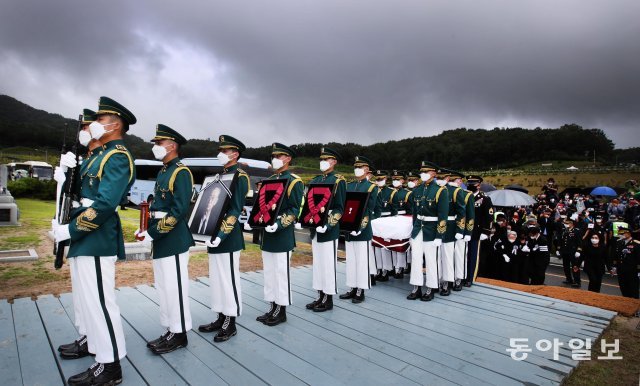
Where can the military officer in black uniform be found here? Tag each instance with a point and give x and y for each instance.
(97, 241)
(483, 218)
(626, 260)
(570, 248)
(536, 251)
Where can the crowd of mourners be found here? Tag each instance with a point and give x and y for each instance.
(590, 234)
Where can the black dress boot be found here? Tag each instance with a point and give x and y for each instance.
(69, 346)
(444, 290)
(399, 273)
(279, 316)
(359, 296)
(263, 318)
(153, 343)
(384, 276)
(466, 283)
(457, 286)
(325, 305)
(427, 296)
(314, 303)
(227, 331)
(79, 350)
(373, 280)
(415, 294)
(349, 295)
(213, 326)
(98, 374)
(172, 342)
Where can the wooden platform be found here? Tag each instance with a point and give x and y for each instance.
(460, 339)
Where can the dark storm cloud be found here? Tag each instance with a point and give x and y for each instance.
(357, 71)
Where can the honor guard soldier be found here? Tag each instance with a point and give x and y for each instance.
(456, 221)
(430, 208)
(80, 347)
(482, 220)
(413, 180)
(384, 259)
(570, 248)
(278, 240)
(324, 239)
(401, 203)
(360, 262)
(466, 199)
(224, 251)
(97, 241)
(626, 260)
(170, 237)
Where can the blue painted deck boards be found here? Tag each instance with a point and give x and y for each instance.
(460, 339)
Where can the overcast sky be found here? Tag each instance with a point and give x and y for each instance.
(330, 70)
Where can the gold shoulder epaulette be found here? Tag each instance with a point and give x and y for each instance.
(172, 180)
(119, 149)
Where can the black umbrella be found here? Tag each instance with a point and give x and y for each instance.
(487, 187)
(517, 187)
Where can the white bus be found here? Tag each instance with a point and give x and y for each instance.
(33, 169)
(147, 171)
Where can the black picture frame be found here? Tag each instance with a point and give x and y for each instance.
(262, 217)
(212, 205)
(321, 194)
(355, 207)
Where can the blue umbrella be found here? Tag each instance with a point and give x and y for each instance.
(604, 191)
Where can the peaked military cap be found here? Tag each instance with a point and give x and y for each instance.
(474, 178)
(88, 116)
(228, 142)
(397, 174)
(454, 174)
(427, 166)
(380, 173)
(278, 148)
(411, 175)
(623, 229)
(109, 106)
(327, 152)
(362, 161)
(165, 132)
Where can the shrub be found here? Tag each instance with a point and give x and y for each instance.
(33, 188)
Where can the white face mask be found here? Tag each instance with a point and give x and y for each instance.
(277, 163)
(441, 182)
(84, 137)
(324, 165)
(396, 183)
(97, 129)
(381, 183)
(595, 241)
(411, 184)
(223, 158)
(425, 176)
(512, 240)
(359, 172)
(159, 152)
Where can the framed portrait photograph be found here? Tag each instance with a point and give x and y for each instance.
(355, 206)
(211, 206)
(267, 202)
(317, 202)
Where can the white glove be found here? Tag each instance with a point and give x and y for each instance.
(298, 226)
(467, 238)
(135, 234)
(61, 233)
(506, 258)
(577, 254)
(582, 265)
(355, 233)
(247, 227)
(483, 237)
(526, 249)
(535, 248)
(213, 244)
(58, 174)
(54, 225)
(271, 228)
(68, 160)
(459, 236)
(437, 242)
(321, 229)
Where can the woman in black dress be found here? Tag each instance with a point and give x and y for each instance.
(594, 256)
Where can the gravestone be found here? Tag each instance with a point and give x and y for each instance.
(8, 207)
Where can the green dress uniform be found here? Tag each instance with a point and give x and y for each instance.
(283, 239)
(465, 198)
(402, 201)
(454, 231)
(171, 240)
(430, 208)
(324, 245)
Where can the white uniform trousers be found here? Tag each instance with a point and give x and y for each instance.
(171, 276)
(358, 264)
(399, 259)
(460, 264)
(387, 259)
(101, 314)
(325, 257)
(409, 254)
(377, 259)
(77, 304)
(224, 281)
(277, 284)
(445, 263)
(424, 251)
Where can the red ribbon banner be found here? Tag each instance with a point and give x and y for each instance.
(314, 208)
(263, 215)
